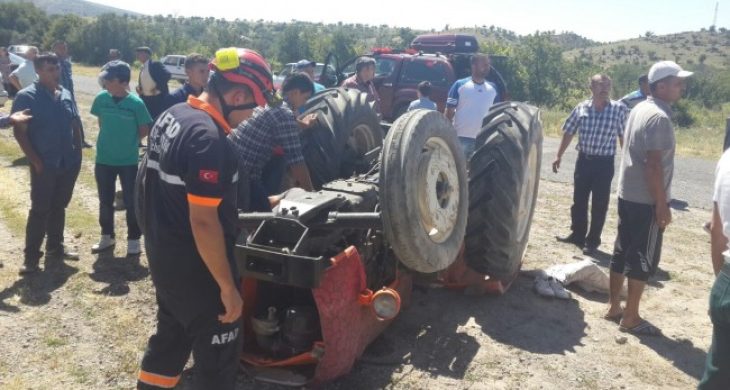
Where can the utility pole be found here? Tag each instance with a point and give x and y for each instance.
(714, 20)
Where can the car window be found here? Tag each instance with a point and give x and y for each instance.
(170, 61)
(425, 70)
(384, 67)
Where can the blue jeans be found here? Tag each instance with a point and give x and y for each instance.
(467, 145)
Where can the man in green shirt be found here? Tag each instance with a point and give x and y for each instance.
(123, 121)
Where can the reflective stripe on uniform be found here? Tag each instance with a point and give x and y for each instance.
(204, 201)
(164, 176)
(163, 381)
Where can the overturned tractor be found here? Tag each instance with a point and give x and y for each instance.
(326, 271)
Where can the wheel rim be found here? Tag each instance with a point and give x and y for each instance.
(438, 190)
(362, 139)
(527, 193)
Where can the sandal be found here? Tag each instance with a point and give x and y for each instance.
(644, 328)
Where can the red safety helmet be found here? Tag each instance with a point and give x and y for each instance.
(248, 67)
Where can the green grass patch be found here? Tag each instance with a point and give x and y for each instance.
(703, 138)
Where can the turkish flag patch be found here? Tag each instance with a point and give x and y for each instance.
(208, 176)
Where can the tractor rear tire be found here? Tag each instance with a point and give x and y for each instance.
(423, 191)
(348, 127)
(504, 174)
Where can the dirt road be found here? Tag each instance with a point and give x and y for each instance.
(693, 177)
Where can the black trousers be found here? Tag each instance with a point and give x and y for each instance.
(106, 179)
(155, 104)
(592, 179)
(50, 193)
(184, 326)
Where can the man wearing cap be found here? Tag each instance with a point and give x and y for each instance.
(362, 80)
(598, 122)
(645, 180)
(638, 96)
(186, 193)
(307, 67)
(152, 84)
(123, 121)
(51, 141)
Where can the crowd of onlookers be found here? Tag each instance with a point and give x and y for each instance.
(226, 124)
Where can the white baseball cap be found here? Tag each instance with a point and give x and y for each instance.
(664, 69)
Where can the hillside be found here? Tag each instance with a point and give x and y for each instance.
(496, 35)
(75, 7)
(687, 48)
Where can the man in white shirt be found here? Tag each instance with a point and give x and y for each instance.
(469, 102)
(152, 84)
(25, 74)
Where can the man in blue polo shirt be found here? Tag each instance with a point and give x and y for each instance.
(469, 102)
(52, 143)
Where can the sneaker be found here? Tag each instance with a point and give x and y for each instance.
(542, 287)
(558, 290)
(28, 270)
(133, 247)
(105, 243)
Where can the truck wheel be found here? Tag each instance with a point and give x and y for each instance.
(423, 191)
(347, 129)
(504, 173)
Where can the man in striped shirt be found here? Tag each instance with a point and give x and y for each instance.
(598, 121)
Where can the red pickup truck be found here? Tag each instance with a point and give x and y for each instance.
(398, 73)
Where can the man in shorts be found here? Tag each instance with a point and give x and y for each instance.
(644, 188)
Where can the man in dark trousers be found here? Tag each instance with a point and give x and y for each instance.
(187, 190)
(152, 83)
(598, 122)
(52, 143)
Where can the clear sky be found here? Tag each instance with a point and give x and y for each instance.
(608, 20)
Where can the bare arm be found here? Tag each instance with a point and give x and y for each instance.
(208, 235)
(564, 143)
(654, 174)
(20, 131)
(450, 111)
(15, 82)
(144, 130)
(718, 240)
(300, 174)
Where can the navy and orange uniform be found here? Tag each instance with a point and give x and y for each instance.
(189, 161)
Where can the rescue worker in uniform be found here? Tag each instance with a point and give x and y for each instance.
(186, 191)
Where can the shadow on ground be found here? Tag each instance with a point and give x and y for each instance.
(20, 162)
(681, 353)
(117, 273)
(36, 289)
(436, 334)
